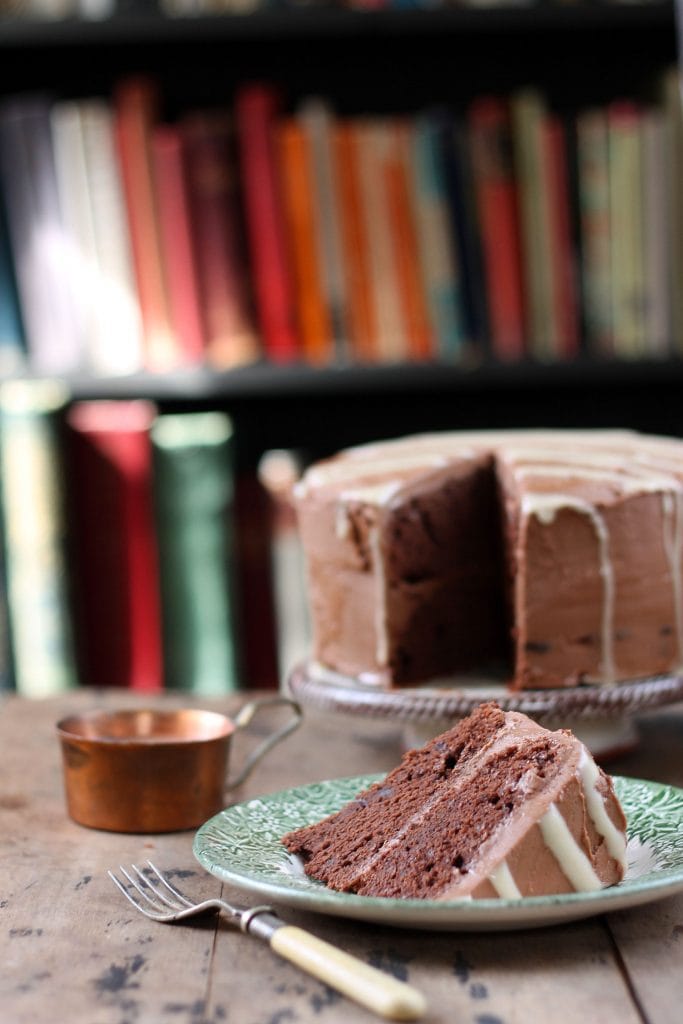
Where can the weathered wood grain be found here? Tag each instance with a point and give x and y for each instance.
(71, 949)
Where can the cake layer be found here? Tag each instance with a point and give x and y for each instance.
(495, 806)
(558, 554)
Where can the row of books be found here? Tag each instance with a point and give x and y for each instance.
(134, 554)
(252, 231)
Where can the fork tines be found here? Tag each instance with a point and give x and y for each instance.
(147, 895)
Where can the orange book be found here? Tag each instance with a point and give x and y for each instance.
(496, 196)
(361, 313)
(405, 245)
(176, 236)
(135, 111)
(297, 188)
(231, 336)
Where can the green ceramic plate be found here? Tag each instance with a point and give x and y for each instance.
(241, 846)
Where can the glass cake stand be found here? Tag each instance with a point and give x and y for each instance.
(601, 716)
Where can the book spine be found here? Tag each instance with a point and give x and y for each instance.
(490, 138)
(231, 338)
(294, 159)
(135, 109)
(404, 238)
(193, 470)
(117, 344)
(628, 280)
(594, 218)
(256, 112)
(374, 140)
(175, 231)
(34, 519)
(565, 298)
(437, 254)
(361, 317)
(317, 119)
(114, 544)
(658, 328)
(42, 253)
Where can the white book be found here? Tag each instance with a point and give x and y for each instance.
(656, 251)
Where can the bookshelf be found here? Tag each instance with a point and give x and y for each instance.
(384, 63)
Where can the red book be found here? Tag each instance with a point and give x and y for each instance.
(562, 248)
(231, 337)
(175, 229)
(253, 511)
(116, 590)
(496, 197)
(135, 112)
(256, 110)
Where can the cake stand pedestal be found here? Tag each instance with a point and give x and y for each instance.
(601, 716)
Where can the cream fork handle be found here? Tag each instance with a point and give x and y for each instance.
(366, 985)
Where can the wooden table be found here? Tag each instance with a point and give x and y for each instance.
(73, 951)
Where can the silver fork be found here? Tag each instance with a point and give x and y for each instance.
(152, 894)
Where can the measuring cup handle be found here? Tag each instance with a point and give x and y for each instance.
(244, 717)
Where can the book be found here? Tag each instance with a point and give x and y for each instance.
(672, 106)
(374, 141)
(87, 181)
(436, 249)
(51, 306)
(303, 240)
(531, 166)
(624, 126)
(254, 593)
(420, 338)
(34, 521)
(317, 119)
(257, 107)
(279, 470)
(113, 543)
(12, 342)
(592, 158)
(219, 243)
(361, 311)
(656, 254)
(177, 243)
(495, 185)
(136, 102)
(193, 479)
(117, 345)
(564, 296)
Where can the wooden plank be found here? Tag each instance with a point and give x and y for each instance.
(68, 941)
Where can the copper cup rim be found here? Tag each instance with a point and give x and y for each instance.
(146, 727)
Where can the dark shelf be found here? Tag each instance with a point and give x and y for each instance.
(148, 27)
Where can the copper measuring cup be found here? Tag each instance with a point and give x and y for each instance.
(154, 770)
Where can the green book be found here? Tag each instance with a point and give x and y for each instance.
(193, 483)
(34, 528)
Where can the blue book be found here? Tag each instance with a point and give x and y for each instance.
(12, 344)
(439, 255)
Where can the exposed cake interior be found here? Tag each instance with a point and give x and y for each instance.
(496, 806)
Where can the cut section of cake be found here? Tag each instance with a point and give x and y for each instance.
(497, 806)
(555, 555)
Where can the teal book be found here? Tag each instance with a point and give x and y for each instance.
(34, 520)
(193, 484)
(12, 348)
(437, 248)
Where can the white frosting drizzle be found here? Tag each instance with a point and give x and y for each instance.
(381, 631)
(573, 861)
(614, 837)
(502, 881)
(545, 507)
(672, 507)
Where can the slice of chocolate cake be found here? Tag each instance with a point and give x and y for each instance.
(495, 806)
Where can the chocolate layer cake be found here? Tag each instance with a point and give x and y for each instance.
(557, 554)
(496, 806)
